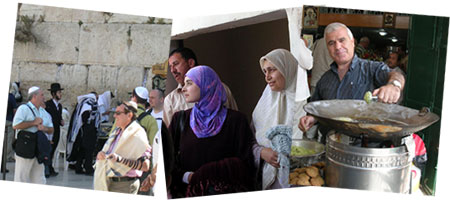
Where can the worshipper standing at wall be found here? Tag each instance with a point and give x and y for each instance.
(48, 122)
(213, 144)
(140, 97)
(180, 61)
(156, 101)
(277, 106)
(54, 108)
(29, 120)
(125, 154)
(104, 103)
(82, 136)
(15, 90)
(11, 110)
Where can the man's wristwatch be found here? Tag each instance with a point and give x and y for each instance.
(396, 83)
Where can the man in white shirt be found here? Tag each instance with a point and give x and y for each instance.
(29, 117)
(156, 101)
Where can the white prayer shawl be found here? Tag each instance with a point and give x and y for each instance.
(132, 145)
(64, 129)
(278, 107)
(78, 121)
(104, 103)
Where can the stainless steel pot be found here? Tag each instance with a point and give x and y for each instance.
(302, 161)
(375, 169)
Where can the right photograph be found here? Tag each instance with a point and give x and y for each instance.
(303, 97)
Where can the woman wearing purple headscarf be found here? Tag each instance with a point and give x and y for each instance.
(213, 149)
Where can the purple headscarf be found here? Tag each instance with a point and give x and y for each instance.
(209, 113)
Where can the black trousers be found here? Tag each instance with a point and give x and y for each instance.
(55, 141)
(83, 149)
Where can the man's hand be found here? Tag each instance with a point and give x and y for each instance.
(270, 156)
(388, 93)
(101, 155)
(306, 122)
(113, 157)
(147, 184)
(41, 127)
(37, 121)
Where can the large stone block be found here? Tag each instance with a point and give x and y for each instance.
(55, 43)
(37, 72)
(150, 44)
(73, 78)
(14, 76)
(102, 78)
(128, 79)
(56, 14)
(30, 10)
(87, 16)
(33, 74)
(103, 44)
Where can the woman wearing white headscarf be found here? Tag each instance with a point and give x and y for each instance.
(277, 106)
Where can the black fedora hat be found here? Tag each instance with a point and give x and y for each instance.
(55, 87)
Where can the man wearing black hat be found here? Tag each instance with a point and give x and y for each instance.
(54, 108)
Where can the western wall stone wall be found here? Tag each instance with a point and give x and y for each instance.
(89, 51)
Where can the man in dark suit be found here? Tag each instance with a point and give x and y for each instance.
(54, 108)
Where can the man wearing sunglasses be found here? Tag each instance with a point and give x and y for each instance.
(125, 155)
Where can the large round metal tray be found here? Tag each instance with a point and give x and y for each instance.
(374, 120)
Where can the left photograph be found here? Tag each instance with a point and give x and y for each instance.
(85, 99)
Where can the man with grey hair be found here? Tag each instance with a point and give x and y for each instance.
(350, 77)
(29, 118)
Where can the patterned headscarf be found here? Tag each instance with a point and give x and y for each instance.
(209, 113)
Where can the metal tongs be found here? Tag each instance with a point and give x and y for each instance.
(369, 98)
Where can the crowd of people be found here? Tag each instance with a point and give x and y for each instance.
(214, 150)
(209, 146)
(128, 157)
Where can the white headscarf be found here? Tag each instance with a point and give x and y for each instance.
(278, 107)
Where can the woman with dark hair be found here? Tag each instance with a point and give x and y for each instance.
(212, 144)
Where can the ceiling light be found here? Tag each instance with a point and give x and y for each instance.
(383, 33)
(394, 40)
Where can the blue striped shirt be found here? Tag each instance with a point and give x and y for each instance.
(362, 76)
